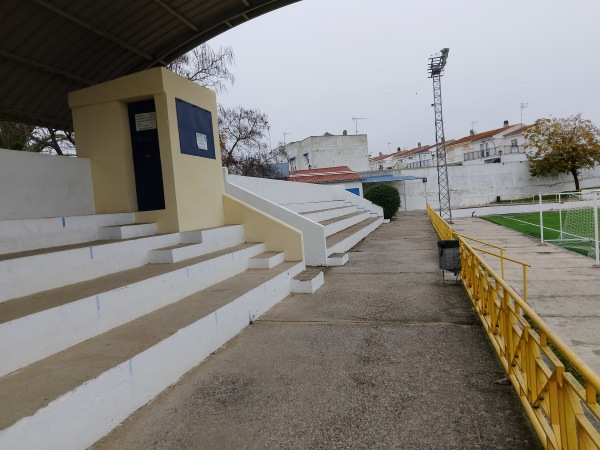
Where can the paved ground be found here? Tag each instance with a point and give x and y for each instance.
(563, 287)
(382, 356)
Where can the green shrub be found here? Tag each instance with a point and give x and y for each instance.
(385, 196)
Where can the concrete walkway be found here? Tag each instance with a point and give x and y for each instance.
(382, 356)
(563, 287)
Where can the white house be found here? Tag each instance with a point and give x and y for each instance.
(328, 150)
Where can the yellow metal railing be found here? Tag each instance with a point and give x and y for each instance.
(561, 404)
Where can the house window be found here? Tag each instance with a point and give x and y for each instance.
(380, 166)
(513, 143)
(293, 163)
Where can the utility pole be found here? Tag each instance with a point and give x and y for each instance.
(436, 70)
(356, 119)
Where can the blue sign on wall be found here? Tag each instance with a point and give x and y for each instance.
(195, 130)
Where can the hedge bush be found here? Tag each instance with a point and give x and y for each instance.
(385, 196)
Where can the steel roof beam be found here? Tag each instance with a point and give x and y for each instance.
(96, 30)
(178, 16)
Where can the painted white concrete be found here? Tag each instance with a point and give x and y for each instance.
(351, 241)
(340, 225)
(307, 286)
(199, 243)
(35, 186)
(29, 234)
(307, 207)
(283, 192)
(128, 231)
(481, 184)
(92, 410)
(326, 214)
(329, 151)
(266, 260)
(313, 233)
(337, 259)
(34, 337)
(75, 265)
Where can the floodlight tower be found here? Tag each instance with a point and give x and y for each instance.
(436, 70)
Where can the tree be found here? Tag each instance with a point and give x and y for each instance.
(563, 146)
(206, 67)
(29, 138)
(241, 136)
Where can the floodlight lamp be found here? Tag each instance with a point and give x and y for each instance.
(445, 52)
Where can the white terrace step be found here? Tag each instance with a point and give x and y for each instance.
(60, 266)
(36, 326)
(75, 397)
(308, 281)
(344, 240)
(128, 231)
(266, 260)
(326, 214)
(337, 259)
(338, 224)
(314, 206)
(197, 243)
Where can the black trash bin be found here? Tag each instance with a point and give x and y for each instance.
(449, 253)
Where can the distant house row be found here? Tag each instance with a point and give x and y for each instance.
(475, 148)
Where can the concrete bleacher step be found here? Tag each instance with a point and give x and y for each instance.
(127, 231)
(33, 327)
(308, 281)
(314, 206)
(331, 213)
(73, 398)
(344, 240)
(266, 260)
(337, 259)
(75, 263)
(197, 243)
(340, 223)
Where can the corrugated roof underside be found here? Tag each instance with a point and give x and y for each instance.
(51, 47)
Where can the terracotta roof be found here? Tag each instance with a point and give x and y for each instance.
(518, 130)
(377, 158)
(477, 136)
(324, 175)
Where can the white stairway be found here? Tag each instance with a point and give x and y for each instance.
(90, 331)
(346, 224)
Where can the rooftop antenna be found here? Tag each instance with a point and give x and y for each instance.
(285, 133)
(436, 70)
(356, 119)
(473, 125)
(523, 106)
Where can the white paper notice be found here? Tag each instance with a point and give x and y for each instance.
(201, 141)
(145, 121)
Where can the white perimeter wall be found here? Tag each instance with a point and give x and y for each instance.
(36, 186)
(481, 184)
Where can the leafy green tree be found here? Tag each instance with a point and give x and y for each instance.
(563, 146)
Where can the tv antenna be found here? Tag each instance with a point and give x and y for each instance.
(523, 106)
(356, 119)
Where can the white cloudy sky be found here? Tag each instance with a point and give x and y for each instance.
(316, 64)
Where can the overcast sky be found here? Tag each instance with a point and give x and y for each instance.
(314, 65)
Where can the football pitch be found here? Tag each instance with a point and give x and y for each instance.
(577, 235)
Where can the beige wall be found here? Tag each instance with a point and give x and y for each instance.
(193, 186)
(259, 227)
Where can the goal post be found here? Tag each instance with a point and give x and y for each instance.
(572, 222)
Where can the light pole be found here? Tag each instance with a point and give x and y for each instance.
(436, 70)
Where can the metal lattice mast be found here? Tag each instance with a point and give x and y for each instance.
(436, 70)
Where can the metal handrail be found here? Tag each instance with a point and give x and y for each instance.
(564, 414)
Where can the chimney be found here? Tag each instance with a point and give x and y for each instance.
(472, 132)
(380, 154)
(506, 123)
(419, 144)
(345, 133)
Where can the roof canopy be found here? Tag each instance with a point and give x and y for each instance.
(51, 47)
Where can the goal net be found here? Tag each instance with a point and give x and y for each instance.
(577, 222)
